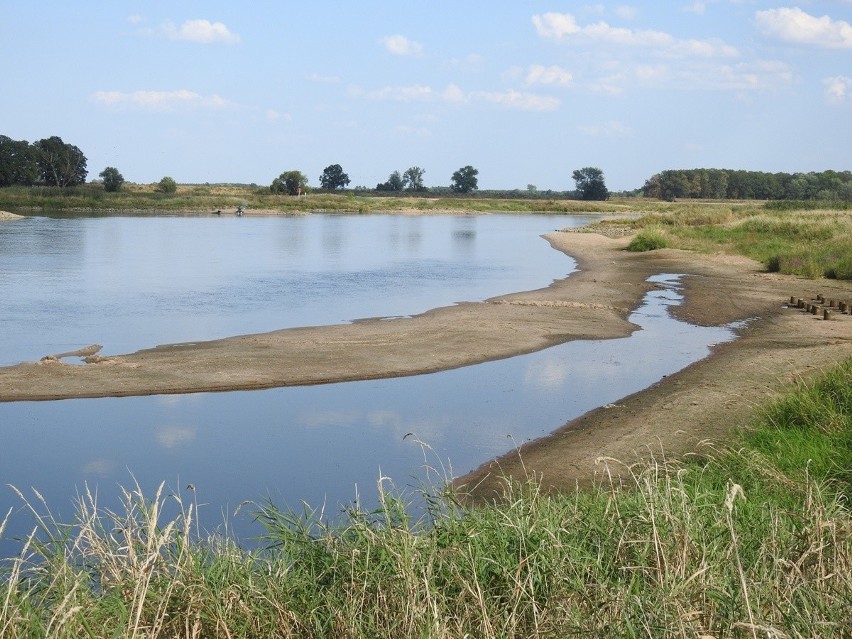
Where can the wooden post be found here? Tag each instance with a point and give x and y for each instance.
(826, 314)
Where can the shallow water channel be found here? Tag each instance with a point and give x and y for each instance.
(323, 445)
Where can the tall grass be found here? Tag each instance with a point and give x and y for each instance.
(754, 540)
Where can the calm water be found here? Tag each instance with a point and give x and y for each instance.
(129, 283)
(326, 444)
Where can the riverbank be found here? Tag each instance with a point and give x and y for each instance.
(704, 401)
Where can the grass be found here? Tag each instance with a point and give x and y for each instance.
(792, 238)
(144, 198)
(754, 540)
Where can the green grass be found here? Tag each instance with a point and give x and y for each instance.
(647, 240)
(753, 540)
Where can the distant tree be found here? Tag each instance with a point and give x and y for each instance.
(290, 182)
(60, 164)
(464, 180)
(590, 183)
(532, 188)
(333, 177)
(413, 178)
(112, 179)
(395, 183)
(167, 185)
(17, 162)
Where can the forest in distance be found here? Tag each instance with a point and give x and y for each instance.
(51, 162)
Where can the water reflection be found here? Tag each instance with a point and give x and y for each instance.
(132, 283)
(324, 444)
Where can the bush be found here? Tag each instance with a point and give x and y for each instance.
(647, 241)
(167, 185)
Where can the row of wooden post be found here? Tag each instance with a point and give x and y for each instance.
(813, 309)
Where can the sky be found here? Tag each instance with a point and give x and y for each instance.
(524, 91)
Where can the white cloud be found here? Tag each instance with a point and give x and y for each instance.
(613, 128)
(796, 26)
(400, 45)
(200, 31)
(455, 95)
(552, 75)
(555, 25)
(160, 100)
(696, 7)
(135, 19)
(563, 25)
(519, 101)
(838, 89)
(403, 94)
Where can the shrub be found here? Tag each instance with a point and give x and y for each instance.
(647, 240)
(167, 185)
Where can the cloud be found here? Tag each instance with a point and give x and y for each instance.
(518, 100)
(796, 26)
(561, 26)
(400, 45)
(200, 31)
(838, 90)
(613, 128)
(323, 79)
(696, 7)
(453, 94)
(182, 99)
(135, 19)
(552, 75)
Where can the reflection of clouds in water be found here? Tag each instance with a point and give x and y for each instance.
(100, 467)
(174, 436)
(178, 400)
(391, 423)
(547, 374)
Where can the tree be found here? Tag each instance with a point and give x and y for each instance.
(112, 179)
(167, 185)
(590, 183)
(17, 162)
(395, 183)
(413, 178)
(464, 180)
(60, 164)
(333, 177)
(291, 182)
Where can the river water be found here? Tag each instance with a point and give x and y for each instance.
(129, 283)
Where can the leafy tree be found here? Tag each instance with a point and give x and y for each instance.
(112, 179)
(413, 178)
(333, 177)
(17, 162)
(60, 164)
(590, 183)
(291, 182)
(395, 183)
(464, 180)
(167, 185)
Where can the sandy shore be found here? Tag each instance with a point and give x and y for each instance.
(702, 402)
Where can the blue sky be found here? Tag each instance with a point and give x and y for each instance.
(526, 92)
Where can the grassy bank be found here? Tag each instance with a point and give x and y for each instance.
(141, 198)
(751, 541)
(794, 238)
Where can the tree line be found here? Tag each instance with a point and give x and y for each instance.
(747, 185)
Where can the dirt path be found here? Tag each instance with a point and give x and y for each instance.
(703, 401)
